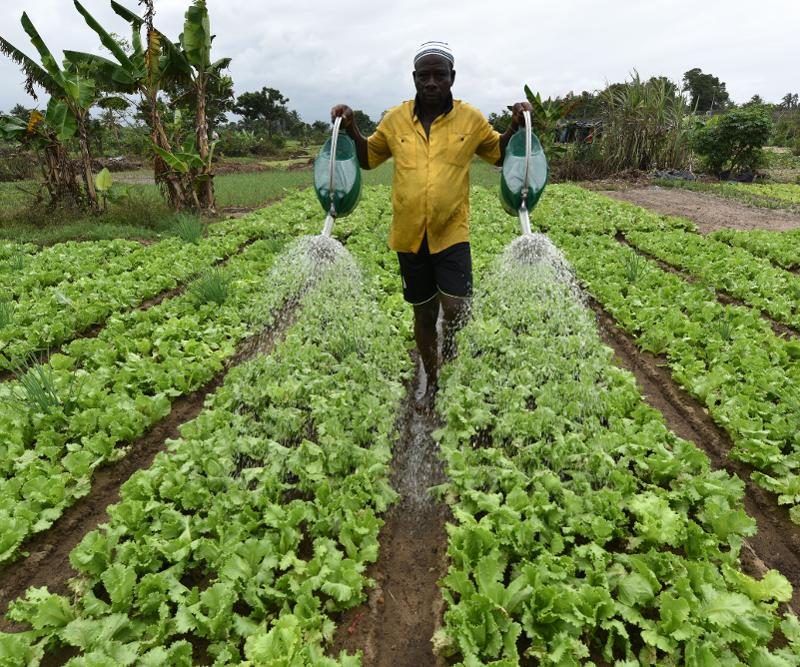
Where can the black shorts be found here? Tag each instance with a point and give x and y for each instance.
(424, 274)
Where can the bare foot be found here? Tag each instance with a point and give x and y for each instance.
(426, 402)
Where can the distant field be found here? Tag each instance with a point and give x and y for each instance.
(140, 211)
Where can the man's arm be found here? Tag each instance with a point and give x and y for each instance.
(349, 125)
(517, 121)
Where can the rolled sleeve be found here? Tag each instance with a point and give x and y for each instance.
(488, 143)
(378, 148)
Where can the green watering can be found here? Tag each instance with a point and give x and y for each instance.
(524, 174)
(337, 177)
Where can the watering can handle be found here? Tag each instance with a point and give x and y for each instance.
(332, 177)
(528, 150)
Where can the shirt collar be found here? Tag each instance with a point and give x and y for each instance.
(447, 109)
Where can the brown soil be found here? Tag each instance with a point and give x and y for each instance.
(780, 329)
(48, 561)
(710, 213)
(395, 626)
(777, 543)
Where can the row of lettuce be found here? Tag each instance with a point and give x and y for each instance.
(54, 295)
(727, 356)
(245, 539)
(583, 531)
(81, 409)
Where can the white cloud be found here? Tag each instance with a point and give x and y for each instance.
(319, 53)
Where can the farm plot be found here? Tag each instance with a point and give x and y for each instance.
(582, 530)
(83, 407)
(726, 356)
(710, 212)
(66, 289)
(781, 248)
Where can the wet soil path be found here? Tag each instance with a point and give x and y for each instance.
(395, 626)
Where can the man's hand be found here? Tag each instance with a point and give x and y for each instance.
(346, 114)
(349, 125)
(517, 119)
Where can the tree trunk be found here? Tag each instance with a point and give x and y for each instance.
(60, 177)
(86, 164)
(169, 182)
(206, 182)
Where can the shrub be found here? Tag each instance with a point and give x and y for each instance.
(734, 141)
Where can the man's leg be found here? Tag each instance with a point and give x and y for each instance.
(455, 313)
(425, 316)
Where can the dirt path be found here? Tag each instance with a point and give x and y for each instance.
(777, 543)
(395, 626)
(710, 213)
(48, 563)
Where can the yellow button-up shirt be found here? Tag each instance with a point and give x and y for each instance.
(430, 186)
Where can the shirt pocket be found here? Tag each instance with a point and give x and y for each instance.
(404, 151)
(460, 149)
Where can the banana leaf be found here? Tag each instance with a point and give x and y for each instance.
(196, 36)
(105, 39)
(61, 119)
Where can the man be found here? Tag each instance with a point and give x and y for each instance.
(432, 139)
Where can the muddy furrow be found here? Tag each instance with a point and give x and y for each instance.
(43, 357)
(395, 626)
(780, 329)
(777, 543)
(48, 561)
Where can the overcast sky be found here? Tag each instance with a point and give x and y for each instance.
(357, 52)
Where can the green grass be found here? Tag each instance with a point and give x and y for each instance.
(143, 214)
(258, 188)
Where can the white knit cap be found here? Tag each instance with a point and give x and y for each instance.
(434, 49)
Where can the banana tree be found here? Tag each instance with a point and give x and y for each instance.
(194, 67)
(58, 170)
(143, 72)
(73, 92)
(546, 117)
(185, 171)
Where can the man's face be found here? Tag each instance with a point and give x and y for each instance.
(433, 78)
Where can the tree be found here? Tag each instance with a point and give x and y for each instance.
(262, 110)
(755, 101)
(19, 111)
(734, 141)
(664, 83)
(790, 101)
(500, 121)
(33, 132)
(186, 65)
(142, 71)
(706, 92)
(364, 122)
(73, 91)
(546, 116)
